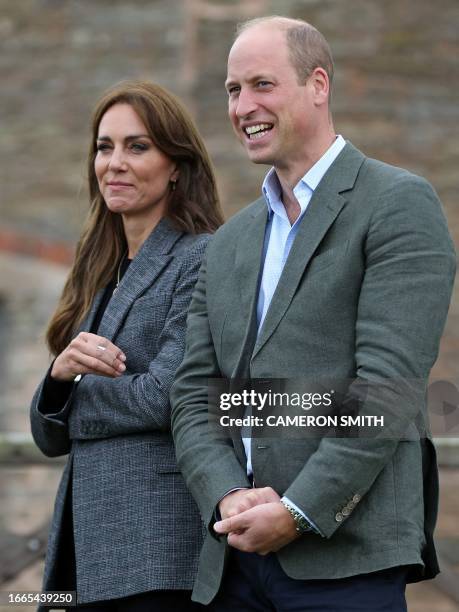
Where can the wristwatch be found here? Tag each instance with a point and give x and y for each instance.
(302, 525)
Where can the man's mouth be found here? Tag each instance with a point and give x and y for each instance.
(257, 131)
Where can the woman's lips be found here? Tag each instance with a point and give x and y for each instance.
(118, 185)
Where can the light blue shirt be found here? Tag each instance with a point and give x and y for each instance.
(280, 235)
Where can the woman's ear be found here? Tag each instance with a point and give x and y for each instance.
(174, 176)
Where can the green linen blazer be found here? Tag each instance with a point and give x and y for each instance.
(364, 295)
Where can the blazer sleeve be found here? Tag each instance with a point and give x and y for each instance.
(106, 407)
(402, 308)
(49, 422)
(205, 457)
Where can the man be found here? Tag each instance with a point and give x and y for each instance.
(342, 270)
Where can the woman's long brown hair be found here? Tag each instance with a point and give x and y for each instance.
(192, 207)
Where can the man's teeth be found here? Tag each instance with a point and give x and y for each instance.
(257, 131)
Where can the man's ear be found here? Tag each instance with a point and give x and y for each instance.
(321, 85)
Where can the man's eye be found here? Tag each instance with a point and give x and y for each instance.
(233, 90)
(263, 83)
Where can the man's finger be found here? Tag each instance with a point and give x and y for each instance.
(241, 542)
(223, 526)
(233, 512)
(233, 523)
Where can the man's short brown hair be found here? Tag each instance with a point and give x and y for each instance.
(307, 47)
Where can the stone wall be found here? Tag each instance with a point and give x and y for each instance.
(396, 89)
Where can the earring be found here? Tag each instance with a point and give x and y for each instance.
(173, 185)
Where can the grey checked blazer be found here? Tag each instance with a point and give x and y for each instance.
(136, 527)
(364, 296)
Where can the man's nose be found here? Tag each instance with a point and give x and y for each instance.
(246, 103)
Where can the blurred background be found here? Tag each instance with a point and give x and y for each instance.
(396, 97)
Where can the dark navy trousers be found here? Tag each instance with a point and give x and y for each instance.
(152, 601)
(255, 583)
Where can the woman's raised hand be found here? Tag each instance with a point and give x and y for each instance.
(89, 354)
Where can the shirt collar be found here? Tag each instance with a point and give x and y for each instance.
(307, 184)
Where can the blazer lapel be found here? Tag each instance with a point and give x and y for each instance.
(247, 271)
(326, 203)
(146, 266)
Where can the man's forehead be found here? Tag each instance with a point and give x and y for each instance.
(248, 76)
(259, 35)
(256, 53)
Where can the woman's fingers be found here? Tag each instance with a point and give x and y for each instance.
(102, 349)
(82, 363)
(97, 354)
(89, 354)
(102, 344)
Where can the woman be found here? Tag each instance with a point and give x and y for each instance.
(125, 532)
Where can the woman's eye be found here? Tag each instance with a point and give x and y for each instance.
(102, 146)
(138, 147)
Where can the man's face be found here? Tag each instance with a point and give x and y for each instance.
(271, 113)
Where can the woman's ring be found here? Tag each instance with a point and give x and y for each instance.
(102, 348)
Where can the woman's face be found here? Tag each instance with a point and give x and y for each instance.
(133, 174)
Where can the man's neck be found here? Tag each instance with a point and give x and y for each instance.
(289, 176)
(291, 204)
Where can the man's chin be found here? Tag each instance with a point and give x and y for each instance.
(259, 157)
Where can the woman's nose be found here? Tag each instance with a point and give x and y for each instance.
(117, 159)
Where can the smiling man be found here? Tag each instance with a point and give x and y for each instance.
(343, 269)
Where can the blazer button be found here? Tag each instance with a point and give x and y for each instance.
(346, 511)
(356, 498)
(339, 517)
